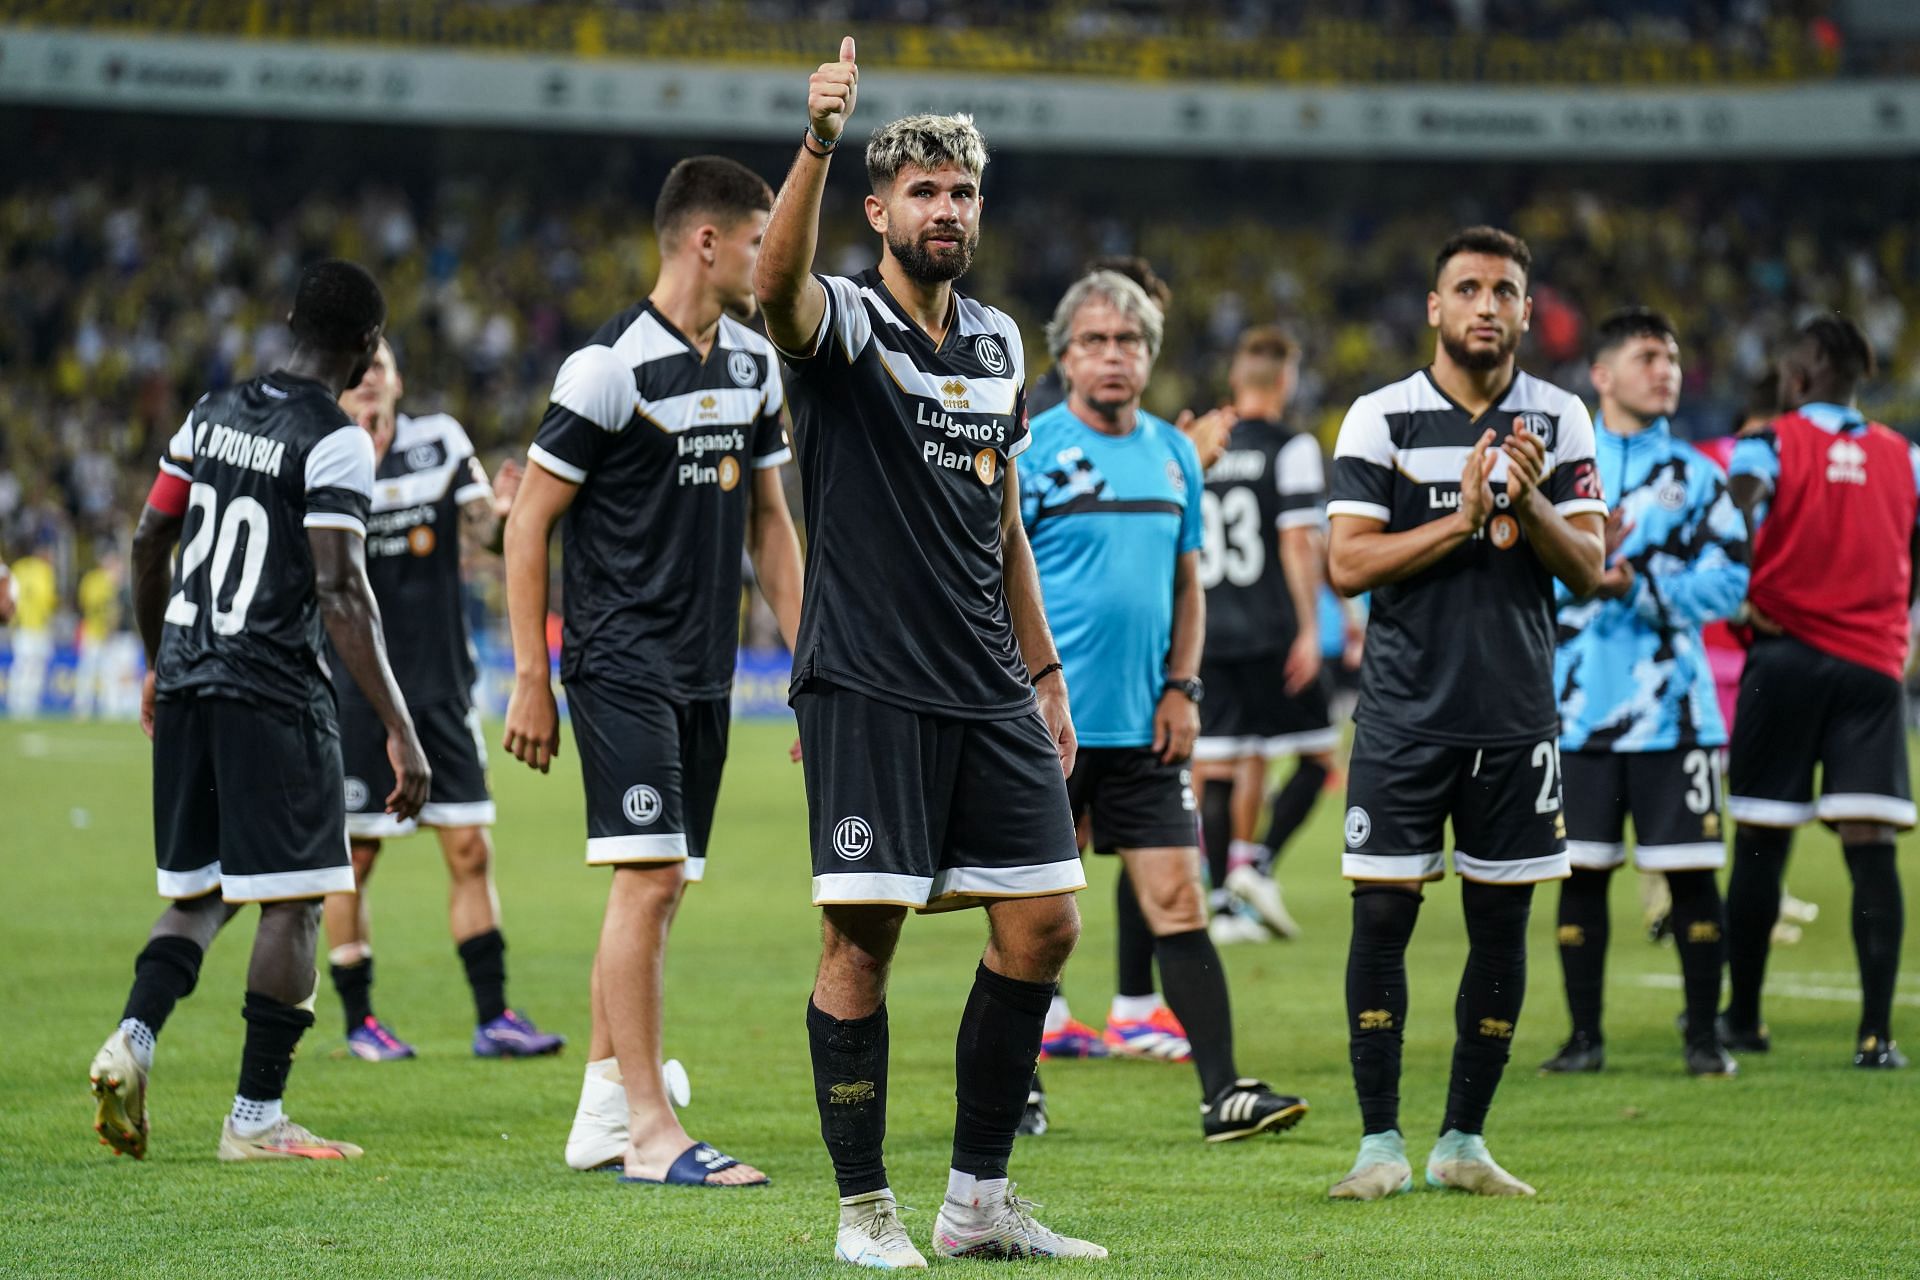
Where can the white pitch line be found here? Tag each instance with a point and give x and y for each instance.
(1792, 990)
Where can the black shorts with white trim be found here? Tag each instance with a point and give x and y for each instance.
(1137, 800)
(450, 735)
(1248, 712)
(1673, 798)
(1504, 801)
(246, 799)
(651, 767)
(931, 812)
(1800, 709)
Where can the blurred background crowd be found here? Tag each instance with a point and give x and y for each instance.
(123, 298)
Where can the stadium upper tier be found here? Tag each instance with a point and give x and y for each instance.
(1576, 42)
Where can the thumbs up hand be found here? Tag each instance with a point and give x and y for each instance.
(831, 92)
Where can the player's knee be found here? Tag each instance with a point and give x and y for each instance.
(1497, 916)
(859, 938)
(1174, 905)
(1385, 912)
(1052, 936)
(1859, 833)
(1692, 891)
(364, 854)
(468, 852)
(1772, 841)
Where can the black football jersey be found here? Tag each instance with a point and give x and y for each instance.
(266, 461)
(1268, 479)
(413, 559)
(1461, 652)
(904, 448)
(662, 442)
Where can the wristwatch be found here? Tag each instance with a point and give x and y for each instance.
(1191, 686)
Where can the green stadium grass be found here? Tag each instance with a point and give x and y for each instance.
(1802, 1167)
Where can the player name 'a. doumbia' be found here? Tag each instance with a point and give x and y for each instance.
(241, 449)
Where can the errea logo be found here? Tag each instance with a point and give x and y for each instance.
(1846, 463)
(953, 393)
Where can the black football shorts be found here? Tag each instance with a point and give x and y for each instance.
(1247, 711)
(1503, 800)
(246, 799)
(1673, 798)
(931, 812)
(1801, 709)
(449, 734)
(651, 766)
(1136, 800)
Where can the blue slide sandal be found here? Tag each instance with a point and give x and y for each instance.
(693, 1168)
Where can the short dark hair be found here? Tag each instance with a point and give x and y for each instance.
(1763, 399)
(1267, 342)
(335, 305)
(715, 186)
(1628, 323)
(1484, 239)
(1137, 269)
(1843, 346)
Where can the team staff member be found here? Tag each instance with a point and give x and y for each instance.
(1833, 501)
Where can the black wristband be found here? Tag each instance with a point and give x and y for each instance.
(808, 138)
(1044, 672)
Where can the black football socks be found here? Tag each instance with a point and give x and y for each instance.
(1383, 921)
(1582, 933)
(1491, 992)
(850, 1089)
(1753, 906)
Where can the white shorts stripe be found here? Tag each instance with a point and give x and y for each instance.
(606, 851)
(871, 886)
(1768, 813)
(1392, 866)
(473, 813)
(1068, 876)
(378, 826)
(1596, 855)
(1552, 866)
(190, 884)
(1306, 742)
(1700, 855)
(1860, 807)
(278, 885)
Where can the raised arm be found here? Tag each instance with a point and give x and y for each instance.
(533, 717)
(1021, 580)
(352, 619)
(793, 302)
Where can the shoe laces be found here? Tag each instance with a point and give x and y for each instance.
(881, 1222)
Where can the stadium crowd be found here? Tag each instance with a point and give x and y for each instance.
(119, 302)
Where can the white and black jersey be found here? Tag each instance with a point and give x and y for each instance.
(1461, 652)
(266, 461)
(1268, 479)
(903, 452)
(661, 441)
(413, 558)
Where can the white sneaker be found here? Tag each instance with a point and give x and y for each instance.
(119, 1097)
(1262, 893)
(1798, 910)
(871, 1234)
(600, 1135)
(1005, 1231)
(1230, 927)
(1380, 1170)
